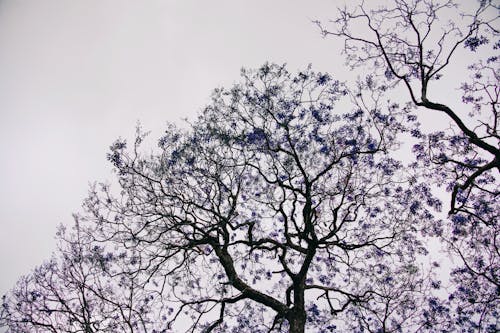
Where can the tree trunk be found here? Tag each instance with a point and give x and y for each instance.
(297, 321)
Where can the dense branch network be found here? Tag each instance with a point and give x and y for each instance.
(284, 207)
(273, 206)
(417, 43)
(408, 41)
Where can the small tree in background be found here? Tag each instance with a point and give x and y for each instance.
(81, 288)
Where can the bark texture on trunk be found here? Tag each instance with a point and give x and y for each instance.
(297, 321)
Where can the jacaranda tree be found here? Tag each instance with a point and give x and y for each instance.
(275, 211)
(285, 207)
(413, 44)
(81, 288)
(279, 210)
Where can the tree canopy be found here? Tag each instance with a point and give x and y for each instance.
(285, 207)
(414, 43)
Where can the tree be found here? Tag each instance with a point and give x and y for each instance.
(285, 208)
(274, 206)
(275, 212)
(80, 289)
(413, 43)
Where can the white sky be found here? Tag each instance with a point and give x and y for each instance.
(77, 74)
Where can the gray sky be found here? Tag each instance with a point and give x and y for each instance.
(77, 74)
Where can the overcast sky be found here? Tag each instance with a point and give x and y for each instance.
(77, 74)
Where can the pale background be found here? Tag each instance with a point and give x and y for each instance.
(77, 74)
